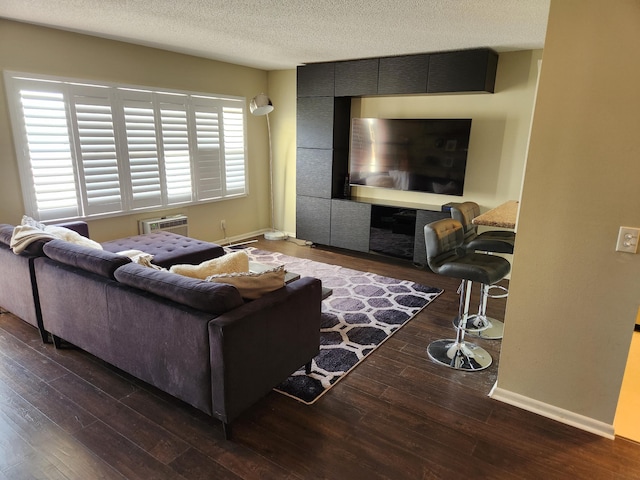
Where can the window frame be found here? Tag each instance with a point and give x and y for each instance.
(217, 171)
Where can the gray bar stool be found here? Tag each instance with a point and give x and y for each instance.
(444, 241)
(492, 241)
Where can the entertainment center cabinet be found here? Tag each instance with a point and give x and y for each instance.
(324, 213)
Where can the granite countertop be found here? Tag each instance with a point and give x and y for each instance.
(503, 216)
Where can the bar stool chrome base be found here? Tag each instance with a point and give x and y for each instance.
(459, 355)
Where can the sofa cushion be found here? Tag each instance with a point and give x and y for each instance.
(234, 262)
(205, 296)
(253, 285)
(90, 259)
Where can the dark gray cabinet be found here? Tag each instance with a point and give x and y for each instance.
(462, 71)
(316, 80)
(314, 122)
(357, 77)
(314, 168)
(324, 98)
(350, 225)
(403, 75)
(313, 219)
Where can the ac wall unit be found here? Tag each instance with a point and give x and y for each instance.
(176, 224)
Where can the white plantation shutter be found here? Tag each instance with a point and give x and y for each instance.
(207, 154)
(45, 137)
(142, 152)
(95, 150)
(234, 162)
(177, 157)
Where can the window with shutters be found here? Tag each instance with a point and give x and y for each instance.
(87, 149)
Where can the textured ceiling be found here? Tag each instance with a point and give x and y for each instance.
(280, 34)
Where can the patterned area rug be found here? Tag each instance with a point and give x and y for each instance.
(363, 311)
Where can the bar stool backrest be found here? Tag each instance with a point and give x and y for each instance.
(465, 212)
(443, 239)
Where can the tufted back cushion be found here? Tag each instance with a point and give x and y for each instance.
(214, 298)
(90, 259)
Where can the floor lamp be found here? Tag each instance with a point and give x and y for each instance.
(261, 105)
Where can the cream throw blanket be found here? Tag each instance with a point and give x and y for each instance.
(25, 235)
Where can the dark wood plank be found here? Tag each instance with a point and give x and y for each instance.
(34, 447)
(140, 430)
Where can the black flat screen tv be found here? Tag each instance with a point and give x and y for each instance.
(424, 155)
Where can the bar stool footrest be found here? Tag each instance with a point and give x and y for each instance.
(490, 328)
(459, 355)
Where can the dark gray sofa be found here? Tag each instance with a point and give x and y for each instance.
(18, 290)
(198, 341)
(18, 287)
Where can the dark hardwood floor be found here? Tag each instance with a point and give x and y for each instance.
(66, 415)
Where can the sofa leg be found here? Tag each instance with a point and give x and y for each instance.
(45, 336)
(307, 368)
(226, 428)
(57, 341)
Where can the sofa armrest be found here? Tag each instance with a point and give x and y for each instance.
(258, 345)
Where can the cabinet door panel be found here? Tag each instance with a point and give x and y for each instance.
(314, 172)
(316, 80)
(357, 77)
(463, 71)
(350, 224)
(315, 122)
(313, 219)
(403, 75)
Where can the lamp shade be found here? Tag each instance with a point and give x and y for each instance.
(260, 105)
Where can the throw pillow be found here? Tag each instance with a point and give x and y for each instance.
(32, 222)
(234, 262)
(71, 236)
(253, 285)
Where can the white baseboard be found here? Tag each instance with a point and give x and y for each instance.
(555, 413)
(244, 237)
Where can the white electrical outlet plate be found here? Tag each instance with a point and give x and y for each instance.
(628, 240)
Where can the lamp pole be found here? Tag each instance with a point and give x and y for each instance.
(261, 105)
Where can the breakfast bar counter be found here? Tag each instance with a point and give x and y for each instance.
(503, 216)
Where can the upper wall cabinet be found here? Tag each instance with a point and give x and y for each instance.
(357, 77)
(403, 75)
(462, 71)
(316, 80)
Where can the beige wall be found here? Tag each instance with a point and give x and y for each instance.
(573, 299)
(282, 91)
(35, 49)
